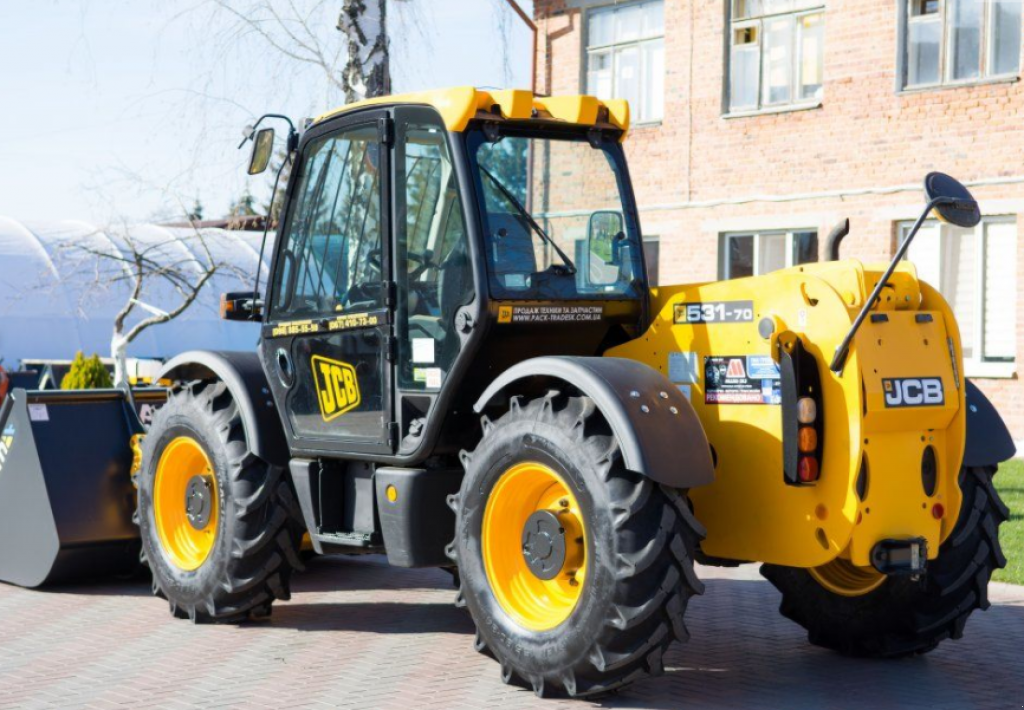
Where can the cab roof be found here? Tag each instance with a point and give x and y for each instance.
(459, 105)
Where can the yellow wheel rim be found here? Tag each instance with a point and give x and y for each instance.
(185, 503)
(528, 494)
(843, 578)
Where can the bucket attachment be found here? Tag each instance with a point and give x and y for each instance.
(66, 495)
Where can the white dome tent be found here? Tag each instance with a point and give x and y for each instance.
(58, 297)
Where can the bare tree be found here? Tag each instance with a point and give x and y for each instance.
(356, 62)
(169, 267)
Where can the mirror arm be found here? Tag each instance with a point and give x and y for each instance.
(841, 352)
(291, 129)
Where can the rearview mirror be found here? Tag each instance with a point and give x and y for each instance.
(954, 202)
(262, 148)
(241, 305)
(605, 238)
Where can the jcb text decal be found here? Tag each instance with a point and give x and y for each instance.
(913, 392)
(336, 387)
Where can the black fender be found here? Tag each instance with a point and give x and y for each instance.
(657, 429)
(988, 440)
(243, 374)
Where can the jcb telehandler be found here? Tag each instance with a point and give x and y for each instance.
(462, 365)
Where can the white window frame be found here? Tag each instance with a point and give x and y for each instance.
(945, 56)
(976, 365)
(757, 21)
(613, 47)
(723, 245)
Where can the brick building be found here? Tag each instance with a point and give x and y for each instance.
(760, 124)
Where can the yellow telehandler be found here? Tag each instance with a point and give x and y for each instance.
(462, 365)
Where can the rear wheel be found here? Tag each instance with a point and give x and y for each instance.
(576, 570)
(220, 527)
(861, 612)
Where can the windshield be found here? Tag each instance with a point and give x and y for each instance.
(554, 218)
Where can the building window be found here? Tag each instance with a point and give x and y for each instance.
(652, 256)
(976, 272)
(950, 41)
(756, 253)
(776, 54)
(626, 56)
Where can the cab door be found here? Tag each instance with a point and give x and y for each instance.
(326, 340)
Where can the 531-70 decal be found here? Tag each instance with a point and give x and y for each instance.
(714, 312)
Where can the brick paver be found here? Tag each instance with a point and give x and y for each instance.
(360, 634)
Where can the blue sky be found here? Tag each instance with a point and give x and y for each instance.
(127, 110)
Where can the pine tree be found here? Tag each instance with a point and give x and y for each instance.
(86, 374)
(244, 206)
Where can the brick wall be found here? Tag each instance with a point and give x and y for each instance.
(861, 154)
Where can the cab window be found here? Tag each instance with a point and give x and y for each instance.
(331, 260)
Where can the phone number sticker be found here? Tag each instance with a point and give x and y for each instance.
(715, 312)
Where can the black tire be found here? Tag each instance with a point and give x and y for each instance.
(904, 617)
(641, 539)
(259, 527)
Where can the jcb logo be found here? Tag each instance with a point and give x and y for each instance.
(913, 392)
(336, 387)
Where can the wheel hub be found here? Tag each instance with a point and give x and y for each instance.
(544, 544)
(539, 576)
(199, 501)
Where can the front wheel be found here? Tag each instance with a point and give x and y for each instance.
(860, 612)
(220, 527)
(576, 570)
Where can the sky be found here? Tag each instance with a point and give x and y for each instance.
(115, 111)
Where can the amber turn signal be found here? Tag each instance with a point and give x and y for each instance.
(808, 440)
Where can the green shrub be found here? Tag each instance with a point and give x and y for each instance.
(86, 374)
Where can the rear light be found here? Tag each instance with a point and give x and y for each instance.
(808, 440)
(808, 469)
(938, 511)
(803, 427)
(806, 410)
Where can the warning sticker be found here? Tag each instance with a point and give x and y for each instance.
(740, 379)
(682, 367)
(6, 440)
(549, 314)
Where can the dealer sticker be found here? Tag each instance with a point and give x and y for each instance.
(550, 314)
(762, 367)
(731, 380)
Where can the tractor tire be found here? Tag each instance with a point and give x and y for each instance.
(904, 617)
(221, 528)
(601, 613)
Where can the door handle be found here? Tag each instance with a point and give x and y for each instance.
(285, 369)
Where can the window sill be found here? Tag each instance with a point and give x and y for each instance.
(950, 85)
(788, 108)
(639, 126)
(990, 370)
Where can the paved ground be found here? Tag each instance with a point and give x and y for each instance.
(360, 634)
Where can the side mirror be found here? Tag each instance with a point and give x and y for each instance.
(241, 305)
(954, 203)
(262, 149)
(605, 241)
